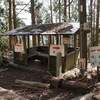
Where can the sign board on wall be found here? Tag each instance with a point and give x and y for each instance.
(19, 48)
(54, 49)
(95, 55)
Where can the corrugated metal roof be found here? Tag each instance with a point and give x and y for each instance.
(56, 28)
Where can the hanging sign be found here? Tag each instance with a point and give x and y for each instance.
(95, 55)
(19, 48)
(54, 49)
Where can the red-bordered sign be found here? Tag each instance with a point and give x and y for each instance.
(54, 49)
(19, 48)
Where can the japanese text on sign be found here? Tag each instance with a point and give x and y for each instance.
(19, 48)
(54, 49)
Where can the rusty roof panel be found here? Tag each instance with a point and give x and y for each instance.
(56, 28)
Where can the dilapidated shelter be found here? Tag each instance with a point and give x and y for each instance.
(43, 42)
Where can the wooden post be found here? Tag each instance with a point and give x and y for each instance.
(50, 42)
(38, 40)
(57, 39)
(28, 41)
(75, 49)
(25, 49)
(58, 64)
(34, 39)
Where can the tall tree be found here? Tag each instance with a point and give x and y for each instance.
(10, 14)
(97, 22)
(2, 23)
(69, 9)
(59, 11)
(91, 21)
(83, 35)
(35, 12)
(65, 10)
(32, 12)
(14, 14)
(10, 20)
(51, 9)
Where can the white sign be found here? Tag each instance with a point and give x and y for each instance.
(95, 55)
(54, 49)
(19, 48)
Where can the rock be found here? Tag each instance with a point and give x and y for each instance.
(96, 97)
(9, 95)
(72, 73)
(85, 97)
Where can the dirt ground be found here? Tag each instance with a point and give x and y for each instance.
(8, 77)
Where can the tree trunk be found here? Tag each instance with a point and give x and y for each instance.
(33, 19)
(10, 21)
(14, 14)
(10, 15)
(97, 22)
(83, 35)
(94, 17)
(65, 10)
(51, 11)
(69, 8)
(32, 12)
(91, 22)
(59, 11)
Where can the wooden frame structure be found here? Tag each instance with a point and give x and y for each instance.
(34, 42)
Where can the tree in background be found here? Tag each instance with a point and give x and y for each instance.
(35, 10)
(97, 22)
(57, 9)
(2, 17)
(32, 10)
(74, 14)
(7, 20)
(19, 22)
(46, 16)
(65, 10)
(51, 10)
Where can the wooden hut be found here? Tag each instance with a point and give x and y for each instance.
(39, 41)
